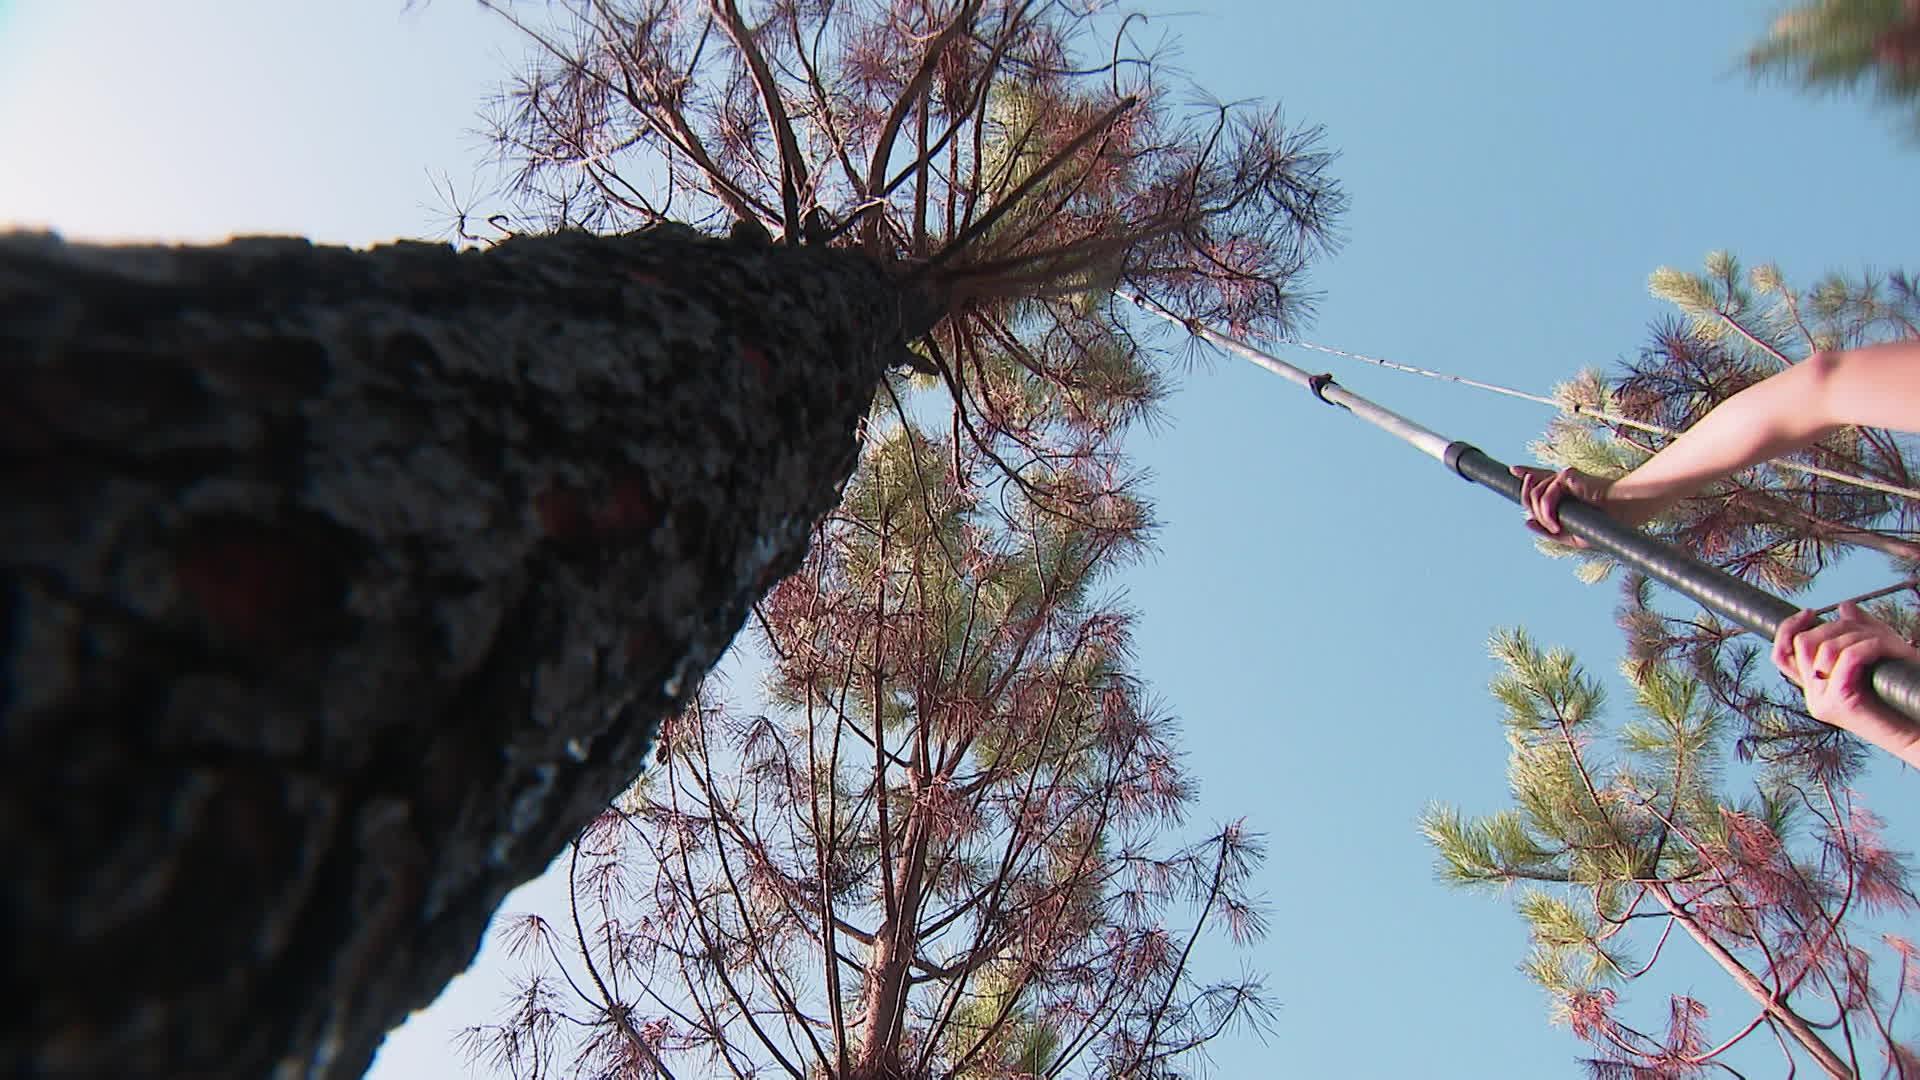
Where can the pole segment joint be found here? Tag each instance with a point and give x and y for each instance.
(1456, 450)
(1319, 383)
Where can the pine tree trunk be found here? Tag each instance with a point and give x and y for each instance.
(343, 588)
(895, 944)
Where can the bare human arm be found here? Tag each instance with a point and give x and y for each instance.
(1873, 386)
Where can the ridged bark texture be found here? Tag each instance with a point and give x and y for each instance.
(342, 588)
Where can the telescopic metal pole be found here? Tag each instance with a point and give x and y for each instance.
(1896, 682)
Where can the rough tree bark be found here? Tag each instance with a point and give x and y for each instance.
(342, 588)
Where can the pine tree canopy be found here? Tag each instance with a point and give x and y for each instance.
(1629, 837)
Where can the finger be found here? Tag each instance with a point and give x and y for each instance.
(1563, 539)
(1806, 646)
(1800, 653)
(1827, 654)
(1540, 510)
(1852, 665)
(1848, 613)
(1550, 495)
(1795, 623)
(1790, 628)
(1892, 641)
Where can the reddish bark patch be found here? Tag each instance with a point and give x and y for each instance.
(643, 645)
(629, 508)
(757, 362)
(259, 587)
(562, 513)
(270, 370)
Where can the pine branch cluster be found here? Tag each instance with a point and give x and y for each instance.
(1627, 838)
(941, 849)
(1625, 846)
(1014, 160)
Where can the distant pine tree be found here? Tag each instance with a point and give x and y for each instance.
(1833, 45)
(938, 848)
(1622, 837)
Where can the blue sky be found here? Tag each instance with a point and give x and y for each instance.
(1318, 610)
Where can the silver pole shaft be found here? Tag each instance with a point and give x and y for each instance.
(1430, 443)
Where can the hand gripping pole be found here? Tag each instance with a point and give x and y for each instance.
(1896, 682)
